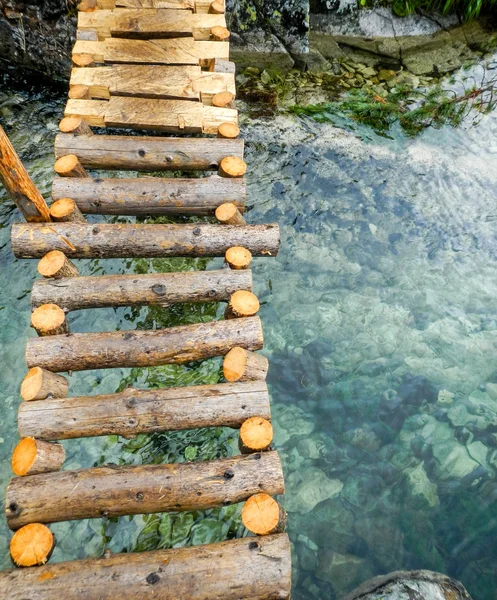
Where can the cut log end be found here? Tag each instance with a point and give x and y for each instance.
(69, 166)
(223, 100)
(75, 125)
(88, 5)
(228, 131)
(32, 545)
(32, 457)
(256, 435)
(66, 210)
(262, 515)
(49, 319)
(220, 34)
(79, 92)
(40, 384)
(238, 258)
(228, 214)
(232, 166)
(55, 264)
(217, 8)
(243, 365)
(82, 60)
(242, 304)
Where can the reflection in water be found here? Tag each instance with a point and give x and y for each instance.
(381, 327)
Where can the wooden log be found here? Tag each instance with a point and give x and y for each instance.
(56, 265)
(88, 5)
(30, 546)
(223, 99)
(140, 153)
(49, 319)
(256, 435)
(69, 166)
(79, 92)
(228, 214)
(40, 384)
(216, 7)
(259, 569)
(19, 184)
(228, 131)
(32, 457)
(262, 515)
(75, 293)
(66, 210)
(242, 365)
(75, 125)
(82, 60)
(151, 195)
(113, 491)
(131, 412)
(232, 166)
(242, 304)
(175, 345)
(174, 4)
(115, 240)
(238, 257)
(219, 33)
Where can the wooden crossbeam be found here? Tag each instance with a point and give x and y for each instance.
(149, 23)
(171, 116)
(144, 153)
(177, 51)
(152, 81)
(171, 4)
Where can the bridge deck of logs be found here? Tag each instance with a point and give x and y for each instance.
(163, 66)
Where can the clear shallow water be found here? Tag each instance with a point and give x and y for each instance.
(380, 323)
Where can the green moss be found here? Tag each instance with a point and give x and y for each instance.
(468, 9)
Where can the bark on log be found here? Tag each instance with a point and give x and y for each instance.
(49, 319)
(242, 304)
(19, 184)
(74, 293)
(30, 546)
(66, 210)
(242, 365)
(262, 515)
(75, 125)
(82, 351)
(116, 491)
(56, 265)
(238, 258)
(259, 569)
(32, 457)
(145, 411)
(232, 166)
(256, 435)
(151, 195)
(228, 130)
(112, 240)
(40, 384)
(69, 166)
(142, 153)
(228, 213)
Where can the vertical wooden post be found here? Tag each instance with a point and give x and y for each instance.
(19, 185)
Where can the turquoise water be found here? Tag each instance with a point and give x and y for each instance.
(380, 323)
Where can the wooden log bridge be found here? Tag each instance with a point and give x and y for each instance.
(160, 66)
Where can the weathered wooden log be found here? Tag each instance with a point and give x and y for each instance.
(66, 210)
(228, 214)
(79, 92)
(262, 515)
(82, 59)
(49, 319)
(216, 8)
(40, 384)
(88, 5)
(151, 195)
(75, 125)
(76, 293)
(238, 258)
(19, 184)
(69, 166)
(30, 546)
(143, 153)
(256, 435)
(113, 240)
(55, 264)
(223, 99)
(115, 491)
(228, 130)
(232, 166)
(32, 457)
(82, 351)
(242, 365)
(145, 411)
(220, 33)
(255, 568)
(242, 304)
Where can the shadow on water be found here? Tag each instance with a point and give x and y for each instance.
(380, 324)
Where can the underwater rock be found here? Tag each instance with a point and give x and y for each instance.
(330, 525)
(453, 460)
(410, 585)
(290, 420)
(362, 490)
(479, 411)
(383, 539)
(306, 489)
(421, 486)
(342, 570)
(364, 438)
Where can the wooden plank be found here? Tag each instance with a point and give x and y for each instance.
(144, 153)
(250, 568)
(152, 81)
(178, 51)
(173, 4)
(171, 116)
(131, 412)
(149, 23)
(151, 195)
